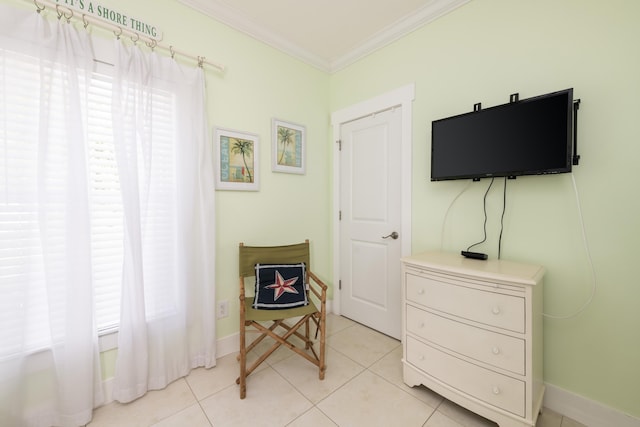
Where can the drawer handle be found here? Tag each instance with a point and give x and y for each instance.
(421, 325)
(496, 390)
(420, 291)
(421, 357)
(495, 350)
(495, 310)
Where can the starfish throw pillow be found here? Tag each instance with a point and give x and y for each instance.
(280, 286)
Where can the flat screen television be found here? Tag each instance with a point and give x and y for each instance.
(525, 137)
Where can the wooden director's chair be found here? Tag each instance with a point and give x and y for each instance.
(254, 261)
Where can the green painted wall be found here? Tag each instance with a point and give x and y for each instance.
(483, 52)
(260, 83)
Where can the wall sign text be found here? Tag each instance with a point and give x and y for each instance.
(113, 16)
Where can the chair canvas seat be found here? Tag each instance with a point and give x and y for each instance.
(294, 324)
(266, 315)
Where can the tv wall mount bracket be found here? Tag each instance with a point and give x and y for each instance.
(576, 107)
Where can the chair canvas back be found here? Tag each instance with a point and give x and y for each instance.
(287, 254)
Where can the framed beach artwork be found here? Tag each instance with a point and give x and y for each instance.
(236, 160)
(288, 151)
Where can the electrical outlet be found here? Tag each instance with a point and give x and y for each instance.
(223, 309)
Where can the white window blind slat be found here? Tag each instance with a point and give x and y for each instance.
(107, 233)
(21, 257)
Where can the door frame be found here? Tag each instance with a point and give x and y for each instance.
(401, 97)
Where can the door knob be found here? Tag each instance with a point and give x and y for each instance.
(393, 235)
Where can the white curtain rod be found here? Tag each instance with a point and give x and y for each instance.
(68, 13)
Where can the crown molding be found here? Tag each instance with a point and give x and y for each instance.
(227, 15)
(222, 12)
(397, 30)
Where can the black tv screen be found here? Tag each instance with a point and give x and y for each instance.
(527, 137)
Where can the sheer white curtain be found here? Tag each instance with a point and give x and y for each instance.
(167, 315)
(49, 361)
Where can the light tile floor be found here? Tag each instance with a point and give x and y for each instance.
(363, 387)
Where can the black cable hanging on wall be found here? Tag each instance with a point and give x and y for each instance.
(478, 255)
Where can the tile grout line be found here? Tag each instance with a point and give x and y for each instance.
(364, 369)
(404, 391)
(199, 401)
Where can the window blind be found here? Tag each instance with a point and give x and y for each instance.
(105, 201)
(20, 250)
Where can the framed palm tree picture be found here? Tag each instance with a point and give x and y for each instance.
(288, 152)
(236, 160)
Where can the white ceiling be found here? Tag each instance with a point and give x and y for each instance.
(328, 34)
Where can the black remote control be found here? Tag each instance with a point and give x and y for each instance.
(474, 255)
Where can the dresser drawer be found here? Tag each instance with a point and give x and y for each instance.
(490, 308)
(495, 389)
(495, 349)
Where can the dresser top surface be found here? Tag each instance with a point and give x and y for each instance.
(491, 269)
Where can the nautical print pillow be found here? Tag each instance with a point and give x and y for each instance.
(280, 286)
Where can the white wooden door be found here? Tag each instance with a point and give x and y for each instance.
(370, 220)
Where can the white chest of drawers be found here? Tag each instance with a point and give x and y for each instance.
(472, 332)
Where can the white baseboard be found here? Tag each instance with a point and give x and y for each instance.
(227, 345)
(224, 346)
(585, 411)
(574, 406)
